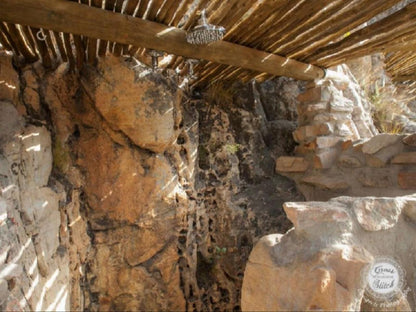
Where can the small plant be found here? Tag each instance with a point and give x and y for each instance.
(232, 148)
(219, 252)
(386, 104)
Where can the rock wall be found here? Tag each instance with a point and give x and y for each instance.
(340, 152)
(320, 264)
(161, 196)
(35, 213)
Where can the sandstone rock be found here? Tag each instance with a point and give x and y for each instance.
(309, 215)
(315, 94)
(313, 108)
(151, 240)
(375, 214)
(374, 161)
(383, 156)
(349, 161)
(10, 121)
(327, 141)
(36, 163)
(310, 132)
(9, 79)
(291, 164)
(145, 108)
(378, 142)
(320, 264)
(326, 158)
(123, 179)
(407, 180)
(380, 178)
(340, 104)
(410, 209)
(10, 270)
(4, 291)
(410, 139)
(346, 144)
(333, 183)
(310, 284)
(405, 158)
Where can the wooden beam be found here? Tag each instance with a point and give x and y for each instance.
(78, 19)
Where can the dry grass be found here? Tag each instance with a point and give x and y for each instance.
(389, 101)
(387, 98)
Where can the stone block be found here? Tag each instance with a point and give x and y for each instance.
(327, 141)
(305, 215)
(380, 178)
(309, 132)
(340, 104)
(378, 142)
(410, 209)
(375, 214)
(291, 164)
(346, 145)
(410, 140)
(407, 180)
(405, 158)
(348, 161)
(326, 158)
(333, 183)
(312, 109)
(311, 95)
(374, 162)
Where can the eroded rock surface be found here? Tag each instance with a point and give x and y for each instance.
(34, 261)
(319, 264)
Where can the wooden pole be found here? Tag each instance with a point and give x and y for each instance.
(78, 19)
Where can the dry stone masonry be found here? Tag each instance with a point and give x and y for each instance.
(340, 152)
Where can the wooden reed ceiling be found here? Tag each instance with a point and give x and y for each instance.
(318, 32)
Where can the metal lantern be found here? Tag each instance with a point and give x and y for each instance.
(205, 33)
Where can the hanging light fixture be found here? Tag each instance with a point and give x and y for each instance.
(205, 33)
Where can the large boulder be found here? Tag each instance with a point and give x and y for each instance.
(321, 264)
(144, 105)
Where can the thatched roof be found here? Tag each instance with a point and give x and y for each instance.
(317, 32)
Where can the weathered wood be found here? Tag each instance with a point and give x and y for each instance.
(61, 47)
(50, 44)
(102, 49)
(4, 42)
(79, 19)
(42, 48)
(117, 48)
(80, 51)
(400, 20)
(28, 35)
(183, 7)
(285, 37)
(20, 43)
(6, 34)
(68, 48)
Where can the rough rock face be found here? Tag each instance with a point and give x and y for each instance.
(319, 264)
(34, 260)
(160, 197)
(133, 198)
(143, 106)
